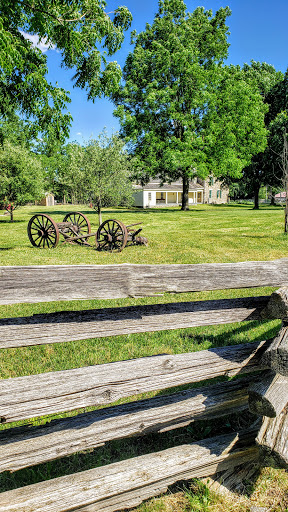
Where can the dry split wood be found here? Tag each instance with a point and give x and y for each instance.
(48, 393)
(127, 483)
(46, 283)
(78, 325)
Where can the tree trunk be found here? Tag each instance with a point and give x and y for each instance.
(10, 211)
(99, 210)
(256, 196)
(185, 194)
(286, 212)
(272, 198)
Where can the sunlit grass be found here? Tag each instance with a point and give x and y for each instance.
(203, 234)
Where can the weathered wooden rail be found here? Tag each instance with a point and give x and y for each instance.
(125, 484)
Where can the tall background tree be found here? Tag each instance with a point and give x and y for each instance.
(181, 112)
(270, 86)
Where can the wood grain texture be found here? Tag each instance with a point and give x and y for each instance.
(27, 446)
(276, 355)
(127, 483)
(48, 393)
(67, 282)
(71, 325)
(269, 395)
(273, 437)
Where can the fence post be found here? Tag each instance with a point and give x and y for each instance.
(269, 396)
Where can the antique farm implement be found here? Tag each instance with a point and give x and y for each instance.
(112, 235)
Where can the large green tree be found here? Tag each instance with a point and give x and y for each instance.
(181, 111)
(81, 30)
(21, 176)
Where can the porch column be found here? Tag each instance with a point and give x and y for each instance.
(166, 193)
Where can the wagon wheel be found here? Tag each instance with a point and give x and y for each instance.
(43, 231)
(111, 236)
(81, 225)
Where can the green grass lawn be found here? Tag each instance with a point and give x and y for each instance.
(203, 234)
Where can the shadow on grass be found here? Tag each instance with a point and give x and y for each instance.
(224, 339)
(15, 221)
(118, 211)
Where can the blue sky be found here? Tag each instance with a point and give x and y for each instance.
(258, 32)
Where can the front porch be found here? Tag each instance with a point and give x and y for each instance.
(175, 198)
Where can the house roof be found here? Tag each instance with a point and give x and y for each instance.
(175, 185)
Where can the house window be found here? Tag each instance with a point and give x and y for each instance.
(210, 194)
(149, 196)
(211, 181)
(219, 194)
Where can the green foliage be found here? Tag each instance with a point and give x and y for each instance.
(237, 123)
(98, 173)
(81, 30)
(271, 85)
(24, 89)
(107, 170)
(21, 177)
(16, 131)
(264, 76)
(180, 110)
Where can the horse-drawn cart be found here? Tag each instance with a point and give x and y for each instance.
(112, 235)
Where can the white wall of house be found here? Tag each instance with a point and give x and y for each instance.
(149, 198)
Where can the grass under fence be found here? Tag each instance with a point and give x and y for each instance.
(203, 234)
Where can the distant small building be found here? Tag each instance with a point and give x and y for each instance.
(170, 194)
(280, 197)
(47, 200)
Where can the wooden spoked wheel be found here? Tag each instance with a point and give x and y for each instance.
(81, 225)
(43, 231)
(111, 236)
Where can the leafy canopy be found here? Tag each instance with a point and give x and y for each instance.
(264, 168)
(98, 172)
(81, 30)
(21, 175)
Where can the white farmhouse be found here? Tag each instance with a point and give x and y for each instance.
(170, 194)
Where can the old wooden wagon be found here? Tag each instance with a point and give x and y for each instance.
(112, 235)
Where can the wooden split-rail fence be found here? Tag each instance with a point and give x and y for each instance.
(127, 483)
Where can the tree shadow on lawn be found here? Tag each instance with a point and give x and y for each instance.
(226, 338)
(15, 221)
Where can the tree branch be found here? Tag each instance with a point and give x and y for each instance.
(60, 20)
